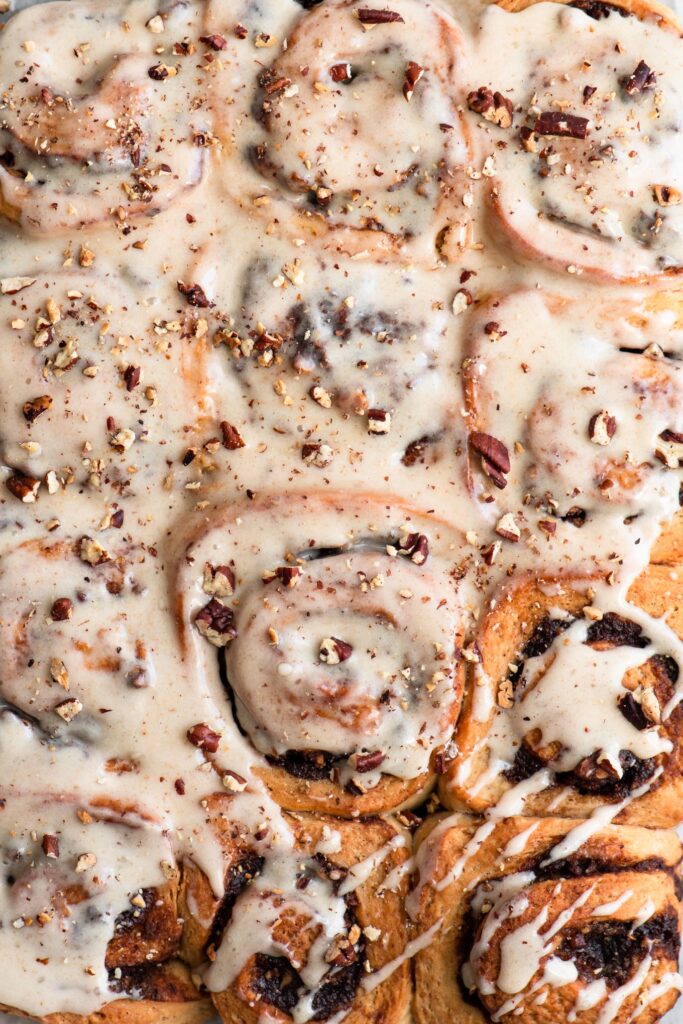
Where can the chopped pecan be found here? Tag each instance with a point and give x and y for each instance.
(368, 16)
(62, 609)
(414, 73)
(341, 72)
(290, 575)
(195, 295)
(216, 623)
(492, 106)
(219, 580)
(602, 427)
(379, 421)
(50, 845)
(215, 41)
(368, 762)
(232, 439)
(555, 122)
(333, 650)
(415, 546)
(131, 376)
(23, 486)
(642, 78)
(202, 736)
(495, 458)
(36, 407)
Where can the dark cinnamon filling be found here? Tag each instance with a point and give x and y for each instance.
(598, 9)
(310, 765)
(612, 950)
(277, 983)
(237, 878)
(158, 983)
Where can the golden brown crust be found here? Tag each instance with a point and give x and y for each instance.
(611, 865)
(645, 10)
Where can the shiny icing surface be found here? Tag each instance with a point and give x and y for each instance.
(315, 343)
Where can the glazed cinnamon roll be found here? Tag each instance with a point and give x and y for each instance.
(345, 610)
(107, 132)
(95, 888)
(578, 183)
(530, 929)
(309, 125)
(348, 365)
(594, 432)
(268, 955)
(95, 382)
(573, 704)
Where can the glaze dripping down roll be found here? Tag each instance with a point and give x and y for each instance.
(530, 936)
(270, 954)
(573, 705)
(345, 610)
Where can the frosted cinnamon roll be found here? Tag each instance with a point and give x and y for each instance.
(309, 126)
(351, 365)
(577, 180)
(573, 702)
(530, 929)
(97, 386)
(335, 622)
(267, 955)
(100, 131)
(92, 889)
(73, 640)
(596, 430)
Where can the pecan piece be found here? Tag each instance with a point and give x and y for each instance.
(202, 736)
(50, 845)
(368, 762)
(195, 295)
(415, 546)
(602, 427)
(131, 376)
(215, 41)
(379, 421)
(36, 407)
(495, 458)
(492, 106)
(341, 72)
(23, 487)
(333, 650)
(232, 439)
(216, 623)
(290, 575)
(642, 78)
(368, 16)
(555, 122)
(508, 529)
(414, 73)
(62, 609)
(219, 580)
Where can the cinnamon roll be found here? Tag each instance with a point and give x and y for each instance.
(95, 383)
(592, 432)
(578, 183)
(308, 126)
(573, 703)
(532, 929)
(346, 365)
(93, 888)
(268, 955)
(106, 133)
(345, 609)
